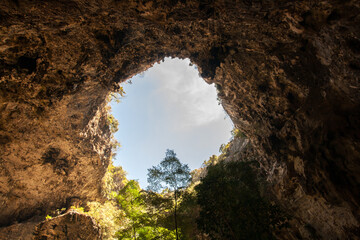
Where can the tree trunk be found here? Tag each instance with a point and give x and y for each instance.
(177, 237)
(134, 233)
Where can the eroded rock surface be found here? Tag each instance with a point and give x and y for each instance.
(287, 73)
(20, 231)
(71, 225)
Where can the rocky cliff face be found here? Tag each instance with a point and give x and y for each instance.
(287, 73)
(71, 225)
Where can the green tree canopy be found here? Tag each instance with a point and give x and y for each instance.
(130, 201)
(169, 174)
(232, 205)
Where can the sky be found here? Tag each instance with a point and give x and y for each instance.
(168, 107)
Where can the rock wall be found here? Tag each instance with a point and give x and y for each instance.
(287, 73)
(71, 225)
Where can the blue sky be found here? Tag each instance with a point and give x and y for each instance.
(168, 107)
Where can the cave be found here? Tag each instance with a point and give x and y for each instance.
(167, 107)
(287, 73)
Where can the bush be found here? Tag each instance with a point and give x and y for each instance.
(113, 123)
(232, 206)
(108, 216)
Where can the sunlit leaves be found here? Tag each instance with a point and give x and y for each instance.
(108, 216)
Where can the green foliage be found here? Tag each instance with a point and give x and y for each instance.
(55, 213)
(117, 95)
(144, 213)
(108, 216)
(212, 160)
(160, 233)
(113, 123)
(224, 148)
(115, 145)
(196, 175)
(149, 233)
(236, 133)
(129, 198)
(232, 206)
(78, 209)
(188, 213)
(225, 200)
(170, 173)
(158, 207)
(130, 201)
(131, 212)
(111, 120)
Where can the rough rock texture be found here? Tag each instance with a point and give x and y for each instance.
(20, 231)
(287, 73)
(71, 225)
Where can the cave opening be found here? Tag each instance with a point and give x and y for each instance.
(169, 106)
(287, 73)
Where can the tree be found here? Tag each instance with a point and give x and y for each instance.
(188, 212)
(233, 205)
(140, 220)
(157, 207)
(130, 201)
(171, 174)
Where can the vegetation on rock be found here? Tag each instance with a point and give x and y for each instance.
(222, 200)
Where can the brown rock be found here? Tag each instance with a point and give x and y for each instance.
(71, 225)
(287, 74)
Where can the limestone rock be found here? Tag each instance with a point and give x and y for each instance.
(20, 231)
(71, 225)
(287, 73)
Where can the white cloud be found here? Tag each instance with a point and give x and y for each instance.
(194, 100)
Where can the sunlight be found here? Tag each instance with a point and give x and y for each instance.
(168, 107)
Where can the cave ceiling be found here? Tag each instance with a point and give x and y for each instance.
(287, 73)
